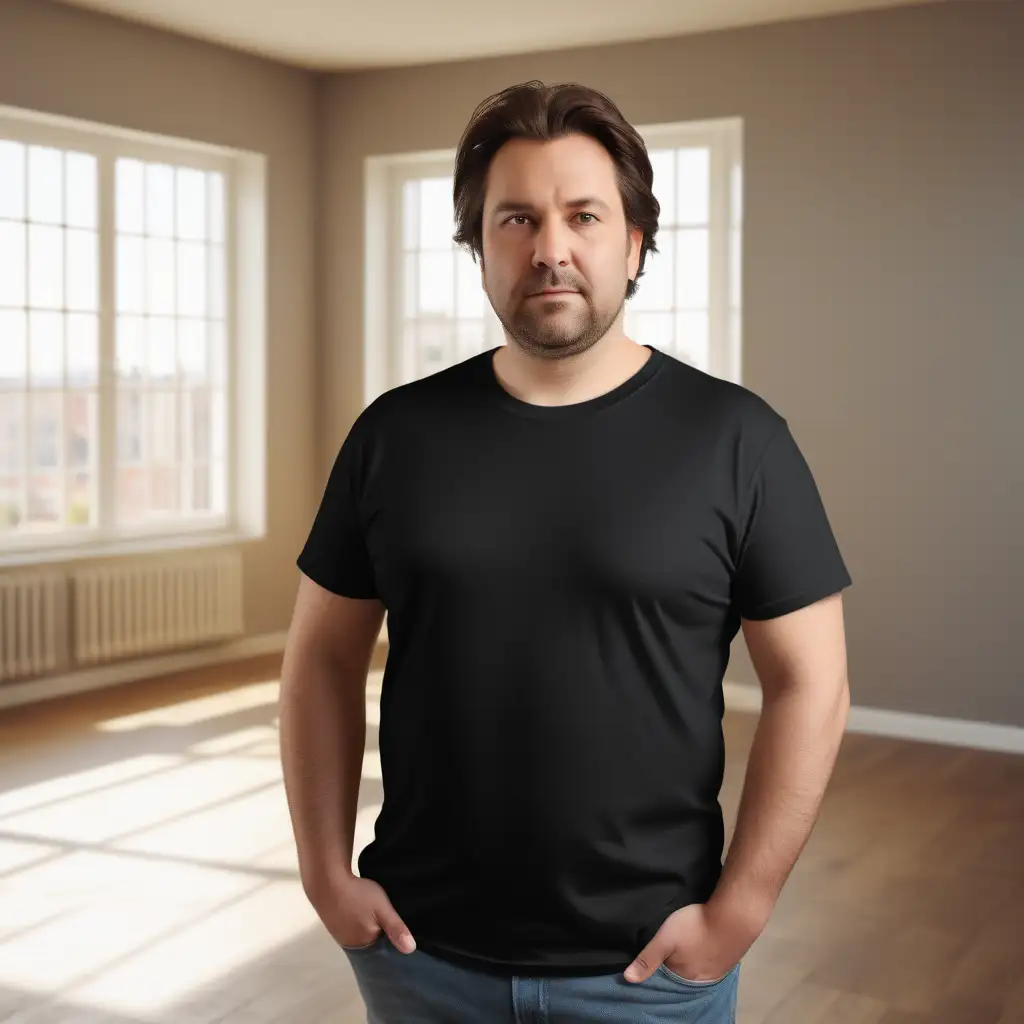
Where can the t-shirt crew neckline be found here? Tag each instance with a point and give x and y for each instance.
(571, 410)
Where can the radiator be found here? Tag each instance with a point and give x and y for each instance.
(33, 624)
(142, 607)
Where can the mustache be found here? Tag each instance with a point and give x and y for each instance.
(553, 279)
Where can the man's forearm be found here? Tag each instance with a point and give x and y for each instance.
(791, 761)
(322, 736)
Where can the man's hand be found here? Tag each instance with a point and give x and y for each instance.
(356, 910)
(700, 942)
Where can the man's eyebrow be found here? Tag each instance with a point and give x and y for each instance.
(517, 206)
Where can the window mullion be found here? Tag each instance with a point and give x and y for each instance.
(106, 464)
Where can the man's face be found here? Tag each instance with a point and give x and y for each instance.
(557, 253)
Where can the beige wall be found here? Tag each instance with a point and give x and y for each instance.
(883, 296)
(65, 61)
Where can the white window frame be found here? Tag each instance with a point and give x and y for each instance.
(245, 339)
(385, 177)
(723, 138)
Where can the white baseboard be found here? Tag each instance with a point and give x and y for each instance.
(902, 725)
(32, 690)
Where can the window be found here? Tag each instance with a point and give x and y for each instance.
(117, 376)
(433, 311)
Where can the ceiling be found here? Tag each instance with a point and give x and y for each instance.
(336, 35)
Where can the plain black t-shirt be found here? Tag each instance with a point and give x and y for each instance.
(562, 586)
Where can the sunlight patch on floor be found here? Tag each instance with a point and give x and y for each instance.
(142, 803)
(198, 709)
(72, 784)
(199, 955)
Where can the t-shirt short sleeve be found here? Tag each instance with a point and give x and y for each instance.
(789, 557)
(335, 554)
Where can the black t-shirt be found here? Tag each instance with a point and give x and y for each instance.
(562, 586)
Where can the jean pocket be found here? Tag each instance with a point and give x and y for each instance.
(368, 947)
(710, 983)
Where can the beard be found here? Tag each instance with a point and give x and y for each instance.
(558, 327)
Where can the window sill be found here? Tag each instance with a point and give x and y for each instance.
(146, 545)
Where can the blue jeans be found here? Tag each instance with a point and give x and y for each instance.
(418, 988)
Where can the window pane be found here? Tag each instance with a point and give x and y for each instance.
(129, 275)
(694, 167)
(436, 285)
(81, 190)
(199, 425)
(159, 200)
(160, 349)
(80, 428)
(45, 267)
(436, 343)
(12, 264)
(692, 338)
(470, 296)
(159, 276)
(692, 269)
(163, 427)
(192, 350)
(82, 284)
(12, 179)
(165, 489)
(12, 460)
(13, 349)
(46, 350)
(12, 437)
(437, 215)
(663, 161)
(218, 296)
(655, 288)
(129, 426)
(655, 329)
(215, 194)
(44, 498)
(130, 197)
(218, 425)
(82, 350)
(81, 503)
(45, 185)
(191, 204)
(131, 348)
(470, 338)
(201, 490)
(46, 429)
(132, 494)
(191, 279)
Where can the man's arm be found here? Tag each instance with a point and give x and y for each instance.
(322, 709)
(801, 662)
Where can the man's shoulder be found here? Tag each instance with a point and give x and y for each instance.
(437, 391)
(721, 404)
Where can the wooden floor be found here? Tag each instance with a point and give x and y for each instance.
(147, 873)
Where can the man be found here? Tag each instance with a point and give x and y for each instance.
(567, 533)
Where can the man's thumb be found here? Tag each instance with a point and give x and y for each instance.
(647, 962)
(394, 926)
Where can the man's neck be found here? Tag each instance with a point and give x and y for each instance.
(602, 368)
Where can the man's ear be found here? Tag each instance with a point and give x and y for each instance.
(636, 241)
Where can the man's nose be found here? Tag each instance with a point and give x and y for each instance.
(551, 245)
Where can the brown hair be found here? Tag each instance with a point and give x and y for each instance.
(533, 110)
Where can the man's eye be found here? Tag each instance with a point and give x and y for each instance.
(519, 218)
(591, 218)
